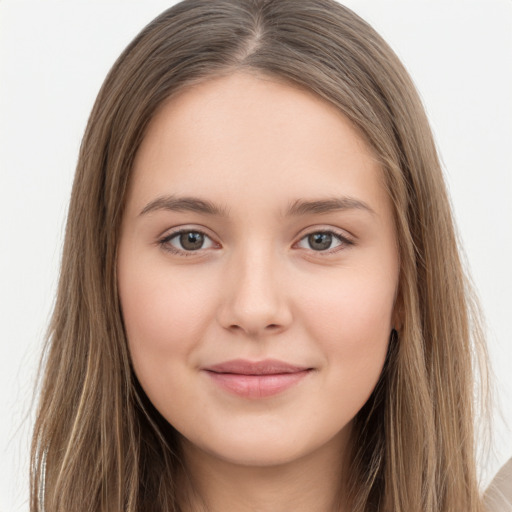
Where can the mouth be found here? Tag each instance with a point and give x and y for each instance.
(256, 379)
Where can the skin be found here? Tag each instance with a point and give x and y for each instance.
(257, 288)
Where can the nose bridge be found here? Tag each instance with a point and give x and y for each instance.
(255, 299)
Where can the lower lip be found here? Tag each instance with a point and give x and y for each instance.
(257, 386)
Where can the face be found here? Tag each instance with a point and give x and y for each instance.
(257, 269)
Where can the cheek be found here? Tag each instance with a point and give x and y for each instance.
(354, 306)
(165, 317)
(352, 325)
(160, 306)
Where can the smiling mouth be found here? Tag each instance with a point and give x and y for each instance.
(259, 379)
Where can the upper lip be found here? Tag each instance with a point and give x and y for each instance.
(264, 367)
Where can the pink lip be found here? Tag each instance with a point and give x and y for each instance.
(256, 379)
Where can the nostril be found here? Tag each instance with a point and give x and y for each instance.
(270, 327)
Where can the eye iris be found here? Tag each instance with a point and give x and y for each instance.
(320, 241)
(191, 241)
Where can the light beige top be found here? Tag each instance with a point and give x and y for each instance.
(498, 496)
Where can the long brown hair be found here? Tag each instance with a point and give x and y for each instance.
(99, 444)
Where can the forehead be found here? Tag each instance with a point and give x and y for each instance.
(253, 105)
(242, 134)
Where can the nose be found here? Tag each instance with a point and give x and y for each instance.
(254, 297)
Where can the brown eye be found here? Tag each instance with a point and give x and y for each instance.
(320, 241)
(324, 242)
(186, 241)
(191, 240)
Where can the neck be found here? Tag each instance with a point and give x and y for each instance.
(312, 483)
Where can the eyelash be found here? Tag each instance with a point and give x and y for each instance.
(164, 242)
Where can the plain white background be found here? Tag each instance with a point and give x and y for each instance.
(53, 58)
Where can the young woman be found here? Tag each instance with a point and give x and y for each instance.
(261, 303)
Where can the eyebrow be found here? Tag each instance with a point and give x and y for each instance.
(303, 207)
(297, 208)
(180, 204)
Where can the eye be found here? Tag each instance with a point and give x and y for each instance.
(186, 241)
(324, 241)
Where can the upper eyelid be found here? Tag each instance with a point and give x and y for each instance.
(166, 237)
(342, 234)
(164, 241)
(336, 231)
(343, 238)
(180, 229)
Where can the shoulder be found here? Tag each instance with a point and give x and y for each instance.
(498, 496)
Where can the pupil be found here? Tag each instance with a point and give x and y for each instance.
(320, 241)
(191, 241)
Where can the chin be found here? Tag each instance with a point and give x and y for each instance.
(258, 453)
(264, 447)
